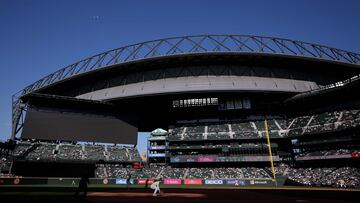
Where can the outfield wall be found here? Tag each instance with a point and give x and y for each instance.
(124, 182)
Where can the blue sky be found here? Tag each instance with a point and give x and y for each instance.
(38, 37)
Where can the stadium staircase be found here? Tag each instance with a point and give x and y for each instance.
(293, 120)
(183, 133)
(307, 124)
(83, 153)
(231, 133)
(340, 116)
(159, 175)
(278, 125)
(127, 155)
(206, 132)
(106, 153)
(186, 173)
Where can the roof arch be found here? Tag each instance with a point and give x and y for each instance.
(196, 44)
(224, 43)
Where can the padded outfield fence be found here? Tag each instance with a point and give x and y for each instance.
(139, 183)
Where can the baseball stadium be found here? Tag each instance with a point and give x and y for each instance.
(233, 118)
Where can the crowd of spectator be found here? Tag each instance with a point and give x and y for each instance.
(252, 172)
(168, 172)
(317, 123)
(173, 173)
(69, 152)
(330, 152)
(116, 171)
(152, 171)
(22, 148)
(125, 172)
(200, 173)
(228, 173)
(133, 154)
(74, 152)
(5, 165)
(345, 177)
(43, 151)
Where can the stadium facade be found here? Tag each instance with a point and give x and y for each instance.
(225, 100)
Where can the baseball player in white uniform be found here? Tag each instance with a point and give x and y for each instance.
(156, 187)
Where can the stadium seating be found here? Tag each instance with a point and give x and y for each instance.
(168, 172)
(115, 171)
(228, 173)
(253, 173)
(116, 153)
(21, 148)
(200, 173)
(119, 171)
(218, 136)
(69, 152)
(326, 176)
(74, 152)
(173, 173)
(321, 119)
(133, 154)
(117, 159)
(244, 130)
(152, 172)
(93, 152)
(281, 169)
(43, 152)
(330, 152)
(299, 122)
(309, 124)
(5, 165)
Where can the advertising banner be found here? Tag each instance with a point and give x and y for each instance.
(258, 182)
(120, 182)
(182, 159)
(172, 182)
(355, 155)
(214, 182)
(174, 159)
(105, 181)
(206, 158)
(143, 181)
(157, 138)
(213, 158)
(157, 155)
(157, 147)
(236, 182)
(190, 159)
(192, 181)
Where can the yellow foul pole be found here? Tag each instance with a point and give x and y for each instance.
(270, 153)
